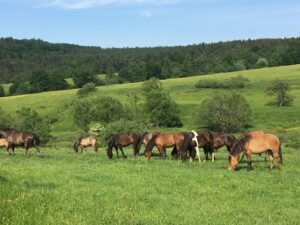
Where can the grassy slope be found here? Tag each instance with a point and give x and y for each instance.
(64, 188)
(185, 94)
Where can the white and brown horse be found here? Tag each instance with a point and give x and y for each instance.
(85, 141)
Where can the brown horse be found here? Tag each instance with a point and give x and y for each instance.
(216, 141)
(195, 140)
(255, 142)
(123, 140)
(20, 138)
(85, 141)
(144, 139)
(166, 140)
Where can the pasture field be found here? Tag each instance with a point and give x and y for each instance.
(183, 91)
(61, 187)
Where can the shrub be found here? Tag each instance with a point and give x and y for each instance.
(96, 129)
(237, 82)
(6, 120)
(19, 89)
(80, 78)
(234, 82)
(164, 111)
(86, 89)
(2, 92)
(209, 83)
(290, 138)
(228, 112)
(280, 90)
(39, 81)
(30, 120)
(261, 62)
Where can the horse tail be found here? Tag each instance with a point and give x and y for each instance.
(75, 146)
(110, 147)
(280, 153)
(151, 143)
(36, 140)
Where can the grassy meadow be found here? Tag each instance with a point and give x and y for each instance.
(61, 187)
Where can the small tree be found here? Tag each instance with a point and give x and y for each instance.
(30, 120)
(80, 78)
(261, 62)
(19, 88)
(225, 112)
(86, 89)
(83, 114)
(2, 92)
(163, 110)
(57, 81)
(96, 129)
(39, 81)
(280, 90)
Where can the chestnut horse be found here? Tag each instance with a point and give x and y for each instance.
(123, 140)
(20, 138)
(166, 140)
(256, 142)
(216, 141)
(86, 141)
(144, 139)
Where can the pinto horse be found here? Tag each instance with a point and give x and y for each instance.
(166, 140)
(195, 140)
(85, 141)
(255, 142)
(144, 139)
(216, 141)
(123, 140)
(20, 138)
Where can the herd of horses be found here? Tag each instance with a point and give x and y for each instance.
(185, 144)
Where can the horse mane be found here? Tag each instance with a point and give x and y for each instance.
(188, 136)
(140, 142)
(240, 143)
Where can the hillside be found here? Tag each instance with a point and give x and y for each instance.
(18, 58)
(183, 91)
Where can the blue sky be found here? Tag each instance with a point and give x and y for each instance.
(130, 23)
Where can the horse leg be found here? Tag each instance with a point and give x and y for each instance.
(276, 156)
(258, 158)
(125, 157)
(13, 149)
(117, 151)
(26, 150)
(271, 160)
(81, 149)
(7, 149)
(249, 163)
(198, 153)
(212, 155)
(96, 149)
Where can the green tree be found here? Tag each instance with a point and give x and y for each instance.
(6, 120)
(262, 62)
(83, 114)
(30, 120)
(19, 88)
(86, 89)
(80, 78)
(163, 110)
(280, 89)
(2, 92)
(224, 111)
(39, 81)
(57, 82)
(135, 71)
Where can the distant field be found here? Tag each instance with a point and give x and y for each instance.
(184, 93)
(61, 187)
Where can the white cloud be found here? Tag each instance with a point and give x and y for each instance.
(84, 4)
(146, 13)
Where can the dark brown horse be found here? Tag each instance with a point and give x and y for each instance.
(85, 141)
(255, 142)
(195, 140)
(166, 140)
(216, 141)
(123, 140)
(20, 138)
(144, 139)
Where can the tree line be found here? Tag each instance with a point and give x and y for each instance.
(20, 58)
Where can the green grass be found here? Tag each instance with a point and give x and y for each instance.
(61, 187)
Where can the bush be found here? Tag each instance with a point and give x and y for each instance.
(39, 81)
(80, 78)
(96, 129)
(30, 120)
(2, 92)
(121, 126)
(227, 112)
(19, 89)
(261, 62)
(290, 138)
(86, 89)
(234, 82)
(163, 110)
(280, 90)
(6, 120)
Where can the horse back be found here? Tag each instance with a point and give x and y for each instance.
(263, 142)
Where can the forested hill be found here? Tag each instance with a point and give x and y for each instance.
(18, 58)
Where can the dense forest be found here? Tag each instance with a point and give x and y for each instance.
(19, 58)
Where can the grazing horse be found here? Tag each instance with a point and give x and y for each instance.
(255, 142)
(144, 139)
(123, 140)
(195, 140)
(216, 141)
(85, 141)
(20, 138)
(166, 140)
